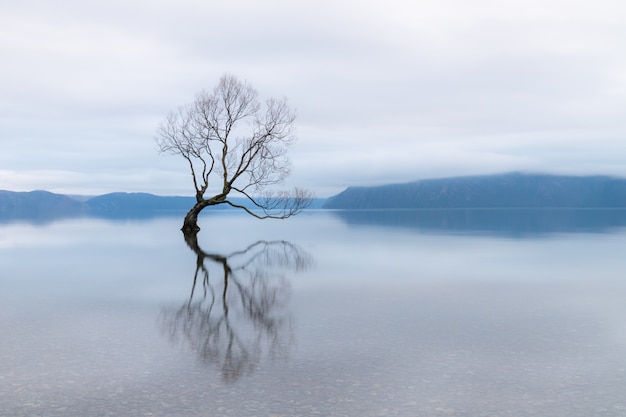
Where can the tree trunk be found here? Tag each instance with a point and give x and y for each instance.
(190, 224)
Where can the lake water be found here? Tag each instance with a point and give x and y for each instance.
(459, 313)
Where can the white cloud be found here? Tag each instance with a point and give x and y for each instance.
(385, 91)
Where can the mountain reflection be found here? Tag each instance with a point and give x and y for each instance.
(517, 222)
(237, 314)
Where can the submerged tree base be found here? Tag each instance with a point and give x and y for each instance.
(190, 224)
(190, 228)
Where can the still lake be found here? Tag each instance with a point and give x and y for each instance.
(407, 313)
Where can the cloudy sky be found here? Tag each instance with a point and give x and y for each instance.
(386, 91)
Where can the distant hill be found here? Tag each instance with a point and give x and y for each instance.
(38, 206)
(41, 206)
(133, 205)
(513, 190)
(149, 205)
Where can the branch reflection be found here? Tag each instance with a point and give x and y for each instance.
(236, 313)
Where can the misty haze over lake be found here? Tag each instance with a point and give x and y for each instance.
(365, 313)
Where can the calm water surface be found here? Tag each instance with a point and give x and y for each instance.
(329, 313)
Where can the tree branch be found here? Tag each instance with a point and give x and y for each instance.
(229, 138)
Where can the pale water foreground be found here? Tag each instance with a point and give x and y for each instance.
(329, 313)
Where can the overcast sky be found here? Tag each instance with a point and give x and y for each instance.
(385, 91)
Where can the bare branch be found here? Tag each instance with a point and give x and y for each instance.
(233, 142)
(277, 205)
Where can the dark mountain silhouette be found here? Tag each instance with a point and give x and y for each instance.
(490, 191)
(41, 206)
(38, 206)
(136, 205)
(513, 190)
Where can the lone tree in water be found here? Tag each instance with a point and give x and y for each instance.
(235, 145)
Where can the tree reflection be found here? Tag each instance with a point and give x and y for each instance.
(236, 312)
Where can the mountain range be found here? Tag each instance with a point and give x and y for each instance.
(513, 190)
(44, 206)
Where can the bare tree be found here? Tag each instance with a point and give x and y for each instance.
(234, 144)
